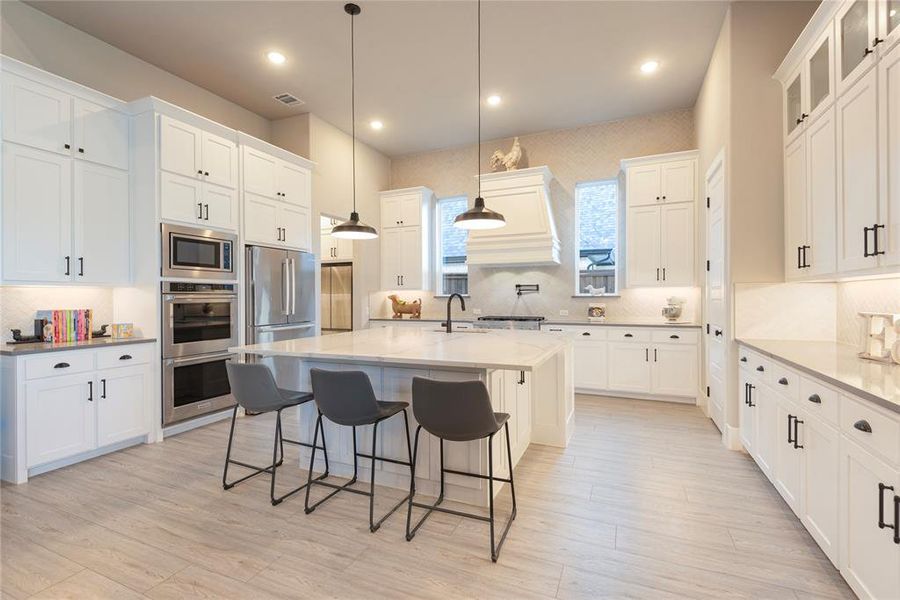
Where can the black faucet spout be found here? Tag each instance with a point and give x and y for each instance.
(462, 305)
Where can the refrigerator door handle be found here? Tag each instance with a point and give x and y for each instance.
(293, 271)
(268, 328)
(285, 298)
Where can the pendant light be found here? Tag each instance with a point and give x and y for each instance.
(479, 216)
(353, 229)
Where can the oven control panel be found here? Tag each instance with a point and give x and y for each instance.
(190, 287)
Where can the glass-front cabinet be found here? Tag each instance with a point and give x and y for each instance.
(888, 23)
(820, 75)
(856, 33)
(795, 105)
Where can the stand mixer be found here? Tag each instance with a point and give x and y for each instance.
(672, 310)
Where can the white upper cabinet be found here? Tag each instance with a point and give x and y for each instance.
(889, 118)
(889, 23)
(293, 183)
(219, 160)
(677, 244)
(821, 206)
(405, 239)
(795, 105)
(179, 147)
(643, 247)
(36, 115)
(856, 32)
(401, 210)
(101, 134)
(334, 249)
(100, 250)
(260, 220)
(795, 208)
(678, 181)
(643, 185)
(819, 73)
(259, 172)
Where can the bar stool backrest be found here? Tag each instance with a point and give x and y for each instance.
(453, 410)
(344, 397)
(253, 386)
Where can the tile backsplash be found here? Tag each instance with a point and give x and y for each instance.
(853, 297)
(18, 304)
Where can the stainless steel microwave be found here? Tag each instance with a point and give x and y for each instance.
(197, 253)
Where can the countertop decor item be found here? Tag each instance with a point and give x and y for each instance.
(405, 307)
(881, 336)
(596, 312)
(673, 308)
(122, 330)
(508, 161)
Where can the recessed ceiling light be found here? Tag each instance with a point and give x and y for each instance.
(893, 12)
(276, 58)
(649, 66)
(376, 124)
(494, 100)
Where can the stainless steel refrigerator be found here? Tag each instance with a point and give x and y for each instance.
(281, 300)
(337, 298)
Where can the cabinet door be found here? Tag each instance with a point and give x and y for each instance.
(821, 471)
(889, 22)
(629, 367)
(37, 206)
(678, 182)
(261, 220)
(889, 105)
(642, 185)
(677, 244)
(869, 557)
(219, 207)
(100, 252)
(643, 247)
(675, 370)
(391, 212)
(343, 249)
(857, 170)
(794, 207)
(820, 75)
(821, 199)
(590, 365)
(788, 458)
(219, 159)
(294, 183)
(794, 106)
(391, 257)
(121, 396)
(181, 198)
(855, 30)
(765, 410)
(101, 134)
(259, 172)
(747, 414)
(59, 417)
(36, 115)
(411, 210)
(411, 258)
(295, 223)
(179, 147)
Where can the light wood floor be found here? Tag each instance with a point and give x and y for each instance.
(645, 503)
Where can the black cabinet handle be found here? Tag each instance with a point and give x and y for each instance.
(81, 150)
(881, 523)
(760, 368)
(200, 172)
(67, 146)
(806, 265)
(90, 391)
(103, 388)
(790, 418)
(61, 365)
(646, 354)
(867, 52)
(866, 252)
(654, 355)
(125, 357)
(743, 359)
(200, 206)
(206, 173)
(554, 329)
(674, 337)
(863, 426)
(586, 333)
(783, 381)
(797, 446)
(81, 266)
(746, 394)
(68, 267)
(521, 378)
(877, 41)
(628, 335)
(875, 229)
(750, 398)
(799, 251)
(718, 332)
(657, 273)
(815, 399)
(664, 269)
(896, 519)
(206, 206)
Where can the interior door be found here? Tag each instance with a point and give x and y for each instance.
(261, 220)
(36, 115)
(678, 181)
(677, 236)
(121, 397)
(179, 147)
(643, 243)
(795, 213)
(37, 209)
(822, 201)
(101, 251)
(889, 105)
(220, 206)
(61, 417)
(101, 134)
(716, 289)
(857, 136)
(181, 198)
(643, 185)
(219, 160)
(267, 273)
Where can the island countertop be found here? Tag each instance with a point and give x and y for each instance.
(470, 349)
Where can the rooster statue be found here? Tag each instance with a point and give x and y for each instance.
(509, 161)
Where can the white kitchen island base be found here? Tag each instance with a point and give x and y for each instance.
(533, 384)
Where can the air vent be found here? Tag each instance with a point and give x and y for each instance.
(288, 99)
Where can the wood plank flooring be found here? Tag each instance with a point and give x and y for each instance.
(645, 503)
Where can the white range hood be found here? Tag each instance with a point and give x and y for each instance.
(529, 237)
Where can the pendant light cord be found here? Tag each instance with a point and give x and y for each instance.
(479, 98)
(353, 109)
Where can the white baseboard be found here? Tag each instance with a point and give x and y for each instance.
(195, 423)
(635, 396)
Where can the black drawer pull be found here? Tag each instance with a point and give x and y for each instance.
(760, 368)
(881, 523)
(628, 335)
(555, 329)
(90, 391)
(896, 520)
(62, 365)
(674, 337)
(783, 381)
(586, 333)
(125, 357)
(863, 426)
(815, 399)
(718, 332)
(743, 359)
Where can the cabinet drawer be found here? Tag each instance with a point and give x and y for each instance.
(675, 336)
(759, 365)
(621, 334)
(59, 363)
(124, 356)
(746, 358)
(578, 332)
(819, 400)
(884, 437)
(784, 380)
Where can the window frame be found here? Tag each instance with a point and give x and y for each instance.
(577, 238)
(438, 257)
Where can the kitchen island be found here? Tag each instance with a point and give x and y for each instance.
(529, 375)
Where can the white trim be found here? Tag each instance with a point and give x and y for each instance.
(659, 158)
(32, 73)
(817, 23)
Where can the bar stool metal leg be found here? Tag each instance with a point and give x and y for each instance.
(229, 461)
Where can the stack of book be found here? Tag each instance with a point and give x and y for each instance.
(72, 325)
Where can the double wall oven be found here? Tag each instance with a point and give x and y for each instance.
(199, 324)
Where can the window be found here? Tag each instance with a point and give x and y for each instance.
(450, 241)
(596, 226)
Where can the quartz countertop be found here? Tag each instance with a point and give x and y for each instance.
(406, 346)
(839, 365)
(615, 322)
(94, 343)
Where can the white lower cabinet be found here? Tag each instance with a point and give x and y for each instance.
(590, 365)
(765, 411)
(674, 370)
(788, 470)
(123, 397)
(629, 367)
(61, 417)
(821, 469)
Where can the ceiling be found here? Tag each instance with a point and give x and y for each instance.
(556, 64)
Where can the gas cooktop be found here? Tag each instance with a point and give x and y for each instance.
(509, 322)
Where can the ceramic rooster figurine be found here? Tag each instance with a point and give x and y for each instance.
(509, 161)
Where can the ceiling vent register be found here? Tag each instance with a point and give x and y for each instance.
(288, 99)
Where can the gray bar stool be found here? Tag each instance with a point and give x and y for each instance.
(254, 388)
(459, 411)
(347, 398)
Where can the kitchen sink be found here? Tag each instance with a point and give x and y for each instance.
(464, 330)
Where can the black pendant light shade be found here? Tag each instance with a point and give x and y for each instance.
(353, 229)
(479, 216)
